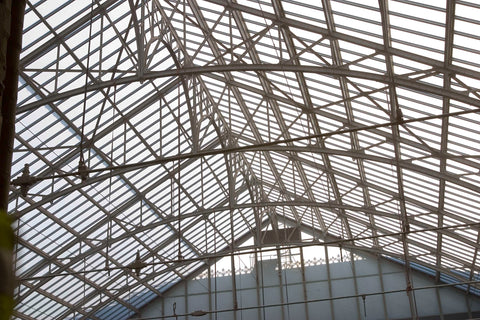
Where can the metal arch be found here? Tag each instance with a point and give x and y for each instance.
(419, 83)
(66, 33)
(102, 8)
(236, 92)
(201, 213)
(337, 62)
(377, 47)
(267, 92)
(345, 243)
(298, 149)
(328, 71)
(76, 188)
(94, 249)
(396, 115)
(447, 84)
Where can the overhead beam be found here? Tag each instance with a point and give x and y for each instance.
(66, 33)
(447, 84)
(261, 147)
(11, 26)
(400, 81)
(377, 47)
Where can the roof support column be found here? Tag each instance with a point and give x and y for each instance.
(397, 118)
(304, 282)
(329, 278)
(447, 81)
(11, 27)
(10, 47)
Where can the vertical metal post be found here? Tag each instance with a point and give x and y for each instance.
(304, 283)
(186, 299)
(280, 282)
(263, 285)
(257, 281)
(467, 303)
(332, 308)
(11, 27)
(10, 47)
(234, 280)
(230, 163)
(439, 301)
(163, 306)
(354, 273)
(258, 244)
(382, 286)
(210, 307)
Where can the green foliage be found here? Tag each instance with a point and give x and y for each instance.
(6, 266)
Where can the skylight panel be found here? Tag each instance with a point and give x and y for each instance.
(339, 141)
(382, 174)
(354, 196)
(416, 187)
(35, 37)
(455, 250)
(392, 224)
(65, 223)
(345, 184)
(291, 7)
(433, 28)
(411, 40)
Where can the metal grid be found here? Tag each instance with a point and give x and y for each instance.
(202, 122)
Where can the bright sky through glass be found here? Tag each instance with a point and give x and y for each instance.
(149, 93)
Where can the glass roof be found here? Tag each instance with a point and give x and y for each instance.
(176, 130)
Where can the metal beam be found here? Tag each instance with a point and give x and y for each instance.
(377, 47)
(66, 33)
(447, 85)
(11, 26)
(400, 81)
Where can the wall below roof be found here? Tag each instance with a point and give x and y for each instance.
(347, 279)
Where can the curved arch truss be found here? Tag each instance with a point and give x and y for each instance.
(178, 129)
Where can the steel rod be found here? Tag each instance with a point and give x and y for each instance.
(366, 295)
(254, 249)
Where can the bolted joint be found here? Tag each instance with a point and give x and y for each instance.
(82, 170)
(137, 265)
(399, 116)
(198, 313)
(25, 181)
